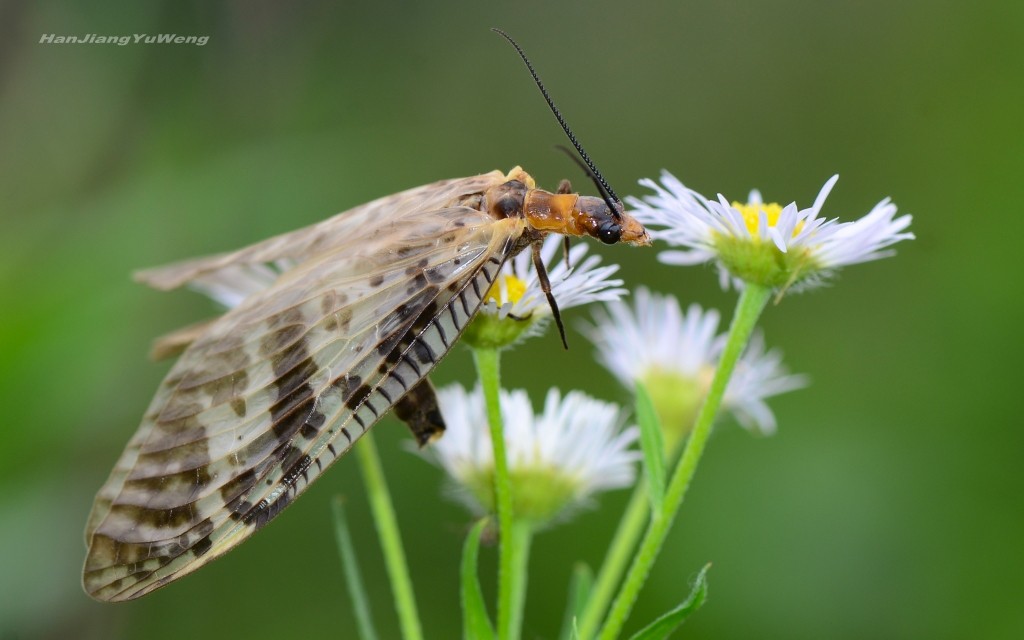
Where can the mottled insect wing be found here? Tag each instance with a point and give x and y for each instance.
(175, 342)
(269, 394)
(373, 223)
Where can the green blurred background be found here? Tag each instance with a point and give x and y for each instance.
(889, 504)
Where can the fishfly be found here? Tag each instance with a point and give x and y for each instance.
(265, 397)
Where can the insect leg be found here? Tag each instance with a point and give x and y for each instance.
(545, 286)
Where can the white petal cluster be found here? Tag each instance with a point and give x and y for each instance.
(573, 449)
(654, 337)
(815, 246)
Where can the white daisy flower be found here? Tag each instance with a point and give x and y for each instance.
(516, 307)
(675, 354)
(765, 243)
(575, 448)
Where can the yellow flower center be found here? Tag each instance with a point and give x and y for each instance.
(762, 262)
(514, 288)
(493, 328)
(751, 213)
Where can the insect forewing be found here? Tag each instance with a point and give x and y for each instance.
(281, 385)
(353, 228)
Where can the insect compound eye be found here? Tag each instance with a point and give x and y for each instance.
(609, 232)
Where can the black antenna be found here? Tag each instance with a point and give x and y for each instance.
(607, 193)
(579, 163)
(590, 174)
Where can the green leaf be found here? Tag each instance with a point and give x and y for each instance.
(356, 590)
(579, 592)
(475, 623)
(653, 444)
(667, 623)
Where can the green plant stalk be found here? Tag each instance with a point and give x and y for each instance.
(476, 624)
(350, 565)
(522, 535)
(390, 538)
(631, 526)
(748, 309)
(488, 365)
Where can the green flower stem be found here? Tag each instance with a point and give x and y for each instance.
(522, 534)
(748, 310)
(390, 538)
(631, 526)
(488, 368)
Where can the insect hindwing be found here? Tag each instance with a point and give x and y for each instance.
(280, 386)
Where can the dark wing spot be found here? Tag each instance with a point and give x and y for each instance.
(429, 310)
(176, 410)
(346, 384)
(281, 338)
(238, 485)
(418, 283)
(181, 487)
(264, 512)
(314, 420)
(173, 518)
(416, 268)
(292, 473)
(192, 456)
(357, 397)
(201, 546)
(292, 414)
(423, 352)
(329, 302)
(437, 274)
(286, 317)
(338, 320)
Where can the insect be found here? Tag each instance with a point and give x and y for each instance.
(265, 397)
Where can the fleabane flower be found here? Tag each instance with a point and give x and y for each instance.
(558, 459)
(674, 354)
(516, 307)
(765, 243)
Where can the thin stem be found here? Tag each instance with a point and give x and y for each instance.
(748, 310)
(631, 526)
(390, 538)
(522, 534)
(353, 578)
(488, 363)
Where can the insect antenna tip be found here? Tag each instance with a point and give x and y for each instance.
(605, 189)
